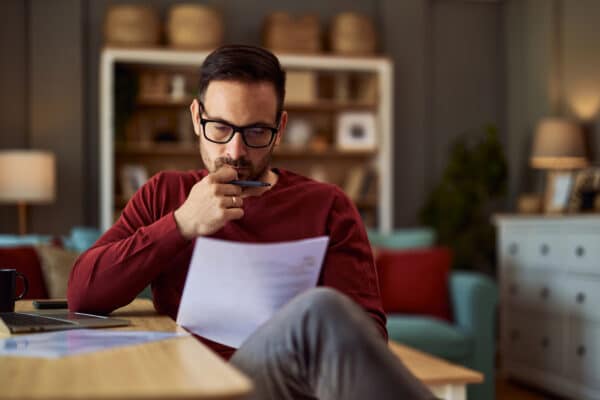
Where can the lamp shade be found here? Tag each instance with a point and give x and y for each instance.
(27, 176)
(558, 144)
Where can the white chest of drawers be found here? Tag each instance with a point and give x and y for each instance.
(549, 271)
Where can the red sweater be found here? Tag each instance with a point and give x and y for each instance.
(144, 245)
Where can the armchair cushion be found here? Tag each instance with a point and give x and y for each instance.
(432, 335)
(25, 260)
(81, 238)
(56, 264)
(7, 241)
(415, 281)
(402, 239)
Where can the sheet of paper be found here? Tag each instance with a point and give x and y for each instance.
(232, 288)
(76, 341)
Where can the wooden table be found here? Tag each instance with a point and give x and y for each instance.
(178, 368)
(447, 381)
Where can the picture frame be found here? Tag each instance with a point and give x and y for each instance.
(585, 190)
(132, 177)
(356, 131)
(558, 191)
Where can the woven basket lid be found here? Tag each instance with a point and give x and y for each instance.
(194, 26)
(286, 33)
(352, 33)
(131, 25)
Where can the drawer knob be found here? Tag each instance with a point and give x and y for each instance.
(581, 350)
(580, 251)
(545, 249)
(545, 293)
(580, 298)
(513, 249)
(545, 342)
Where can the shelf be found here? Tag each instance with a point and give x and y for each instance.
(287, 152)
(317, 106)
(163, 114)
(158, 149)
(366, 204)
(165, 102)
(161, 56)
(191, 150)
(330, 106)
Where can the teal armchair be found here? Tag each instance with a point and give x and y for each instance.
(469, 340)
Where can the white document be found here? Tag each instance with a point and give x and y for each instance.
(232, 288)
(76, 341)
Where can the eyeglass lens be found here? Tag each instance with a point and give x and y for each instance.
(253, 136)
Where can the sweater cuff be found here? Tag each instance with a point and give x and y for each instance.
(165, 232)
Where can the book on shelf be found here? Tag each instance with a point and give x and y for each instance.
(354, 182)
(361, 183)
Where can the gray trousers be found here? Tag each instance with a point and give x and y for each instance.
(322, 345)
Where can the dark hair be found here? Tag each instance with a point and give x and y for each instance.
(245, 64)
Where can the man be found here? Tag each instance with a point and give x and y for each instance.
(328, 343)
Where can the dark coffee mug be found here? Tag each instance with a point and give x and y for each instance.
(8, 286)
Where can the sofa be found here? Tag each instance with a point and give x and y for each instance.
(46, 260)
(459, 328)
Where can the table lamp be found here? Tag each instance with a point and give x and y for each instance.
(26, 177)
(558, 146)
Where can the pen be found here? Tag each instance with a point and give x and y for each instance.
(249, 183)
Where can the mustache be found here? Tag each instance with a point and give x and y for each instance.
(239, 163)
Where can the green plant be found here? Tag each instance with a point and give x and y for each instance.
(461, 205)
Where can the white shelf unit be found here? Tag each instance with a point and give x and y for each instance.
(550, 288)
(380, 66)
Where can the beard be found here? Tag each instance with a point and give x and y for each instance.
(247, 170)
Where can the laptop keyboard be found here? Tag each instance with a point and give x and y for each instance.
(17, 319)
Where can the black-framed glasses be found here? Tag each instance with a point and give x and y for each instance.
(256, 136)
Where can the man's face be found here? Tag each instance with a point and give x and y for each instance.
(239, 104)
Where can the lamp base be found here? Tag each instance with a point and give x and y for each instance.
(22, 207)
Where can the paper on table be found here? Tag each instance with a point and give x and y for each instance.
(232, 288)
(76, 341)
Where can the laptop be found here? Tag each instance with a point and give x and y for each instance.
(53, 320)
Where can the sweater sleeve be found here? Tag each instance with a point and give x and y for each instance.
(349, 265)
(126, 258)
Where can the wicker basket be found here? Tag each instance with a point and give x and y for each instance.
(287, 34)
(131, 25)
(194, 26)
(352, 34)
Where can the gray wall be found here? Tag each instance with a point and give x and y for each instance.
(56, 107)
(580, 67)
(449, 78)
(41, 102)
(531, 82)
(553, 68)
(14, 128)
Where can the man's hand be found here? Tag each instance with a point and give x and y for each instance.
(212, 202)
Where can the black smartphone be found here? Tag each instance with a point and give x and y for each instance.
(49, 304)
